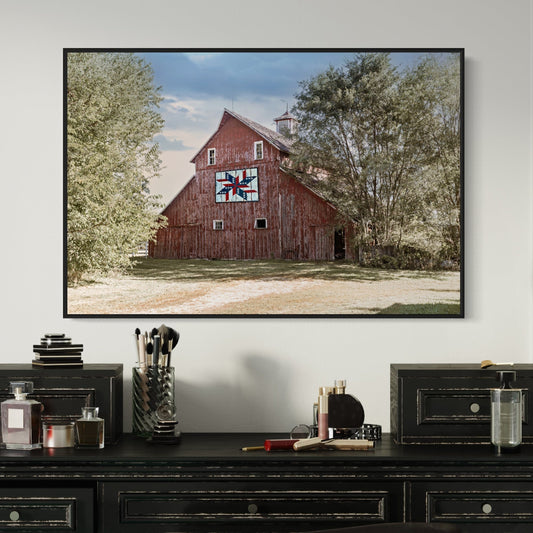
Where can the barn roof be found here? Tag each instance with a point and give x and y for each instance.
(278, 140)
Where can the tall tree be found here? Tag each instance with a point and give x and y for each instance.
(112, 117)
(438, 81)
(363, 141)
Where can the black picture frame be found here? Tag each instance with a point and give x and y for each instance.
(417, 311)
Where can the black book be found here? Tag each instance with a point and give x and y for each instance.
(40, 348)
(74, 353)
(58, 359)
(53, 342)
(43, 363)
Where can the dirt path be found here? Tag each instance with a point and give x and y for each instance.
(275, 296)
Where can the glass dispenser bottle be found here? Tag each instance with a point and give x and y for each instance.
(90, 429)
(21, 418)
(506, 414)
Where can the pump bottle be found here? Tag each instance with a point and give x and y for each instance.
(506, 414)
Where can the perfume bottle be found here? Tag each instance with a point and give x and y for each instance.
(21, 418)
(506, 414)
(90, 429)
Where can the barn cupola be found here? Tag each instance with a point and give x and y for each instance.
(286, 123)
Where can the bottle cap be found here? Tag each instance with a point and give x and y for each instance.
(323, 404)
(21, 387)
(505, 377)
(340, 386)
(89, 412)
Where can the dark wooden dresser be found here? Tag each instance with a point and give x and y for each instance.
(207, 484)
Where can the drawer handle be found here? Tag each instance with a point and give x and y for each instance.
(486, 508)
(14, 516)
(474, 407)
(252, 508)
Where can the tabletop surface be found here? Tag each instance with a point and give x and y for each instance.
(227, 447)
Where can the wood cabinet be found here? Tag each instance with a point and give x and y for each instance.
(207, 484)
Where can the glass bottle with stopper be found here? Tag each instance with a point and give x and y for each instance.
(21, 418)
(90, 429)
(506, 414)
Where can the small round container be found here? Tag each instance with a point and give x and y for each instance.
(58, 435)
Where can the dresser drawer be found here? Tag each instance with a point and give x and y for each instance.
(247, 507)
(46, 509)
(489, 507)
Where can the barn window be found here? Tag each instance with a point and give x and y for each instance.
(211, 156)
(260, 223)
(258, 149)
(218, 224)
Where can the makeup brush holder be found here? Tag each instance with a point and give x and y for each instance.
(153, 398)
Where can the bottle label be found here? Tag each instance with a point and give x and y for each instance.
(15, 418)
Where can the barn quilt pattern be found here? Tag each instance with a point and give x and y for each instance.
(237, 186)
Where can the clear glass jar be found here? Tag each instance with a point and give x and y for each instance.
(90, 429)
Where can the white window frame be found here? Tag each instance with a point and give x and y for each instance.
(257, 227)
(209, 152)
(256, 145)
(218, 225)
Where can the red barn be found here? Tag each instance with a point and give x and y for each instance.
(241, 205)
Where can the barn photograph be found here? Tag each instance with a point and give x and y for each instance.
(281, 183)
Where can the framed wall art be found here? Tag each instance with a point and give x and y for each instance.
(264, 183)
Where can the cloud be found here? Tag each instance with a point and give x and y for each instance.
(174, 104)
(169, 144)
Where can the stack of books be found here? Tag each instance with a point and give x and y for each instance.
(57, 350)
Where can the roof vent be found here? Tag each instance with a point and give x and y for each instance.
(286, 124)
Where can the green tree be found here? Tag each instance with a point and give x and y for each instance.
(112, 117)
(363, 141)
(437, 81)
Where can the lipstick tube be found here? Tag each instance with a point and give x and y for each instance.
(323, 427)
(272, 445)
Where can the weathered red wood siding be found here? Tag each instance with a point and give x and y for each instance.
(234, 145)
(300, 225)
(307, 221)
(180, 239)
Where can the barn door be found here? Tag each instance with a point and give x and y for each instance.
(340, 244)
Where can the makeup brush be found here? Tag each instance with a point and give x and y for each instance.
(174, 338)
(137, 335)
(141, 348)
(157, 346)
(149, 353)
(163, 332)
(487, 362)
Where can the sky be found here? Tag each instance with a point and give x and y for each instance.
(197, 86)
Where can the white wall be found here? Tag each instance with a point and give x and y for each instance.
(263, 375)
